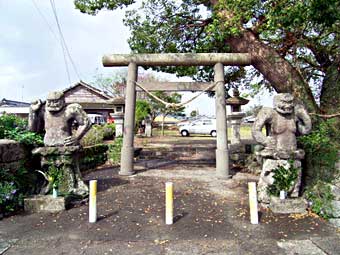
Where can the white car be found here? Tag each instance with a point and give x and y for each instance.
(203, 127)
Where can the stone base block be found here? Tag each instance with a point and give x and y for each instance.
(335, 222)
(287, 206)
(45, 203)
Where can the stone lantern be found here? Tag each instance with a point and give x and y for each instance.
(118, 114)
(236, 115)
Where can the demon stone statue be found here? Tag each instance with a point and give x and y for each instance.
(64, 126)
(283, 123)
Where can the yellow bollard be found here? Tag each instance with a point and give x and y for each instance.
(254, 217)
(169, 203)
(93, 202)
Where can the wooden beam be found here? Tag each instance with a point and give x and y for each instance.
(175, 86)
(177, 59)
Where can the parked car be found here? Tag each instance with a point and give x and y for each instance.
(96, 119)
(202, 126)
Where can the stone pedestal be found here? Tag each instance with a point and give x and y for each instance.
(266, 178)
(66, 160)
(236, 120)
(290, 205)
(148, 128)
(45, 203)
(119, 122)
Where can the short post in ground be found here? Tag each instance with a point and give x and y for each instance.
(169, 203)
(93, 202)
(254, 217)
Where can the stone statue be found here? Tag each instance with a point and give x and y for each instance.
(64, 126)
(58, 119)
(283, 123)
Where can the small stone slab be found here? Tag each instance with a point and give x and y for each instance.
(301, 247)
(4, 246)
(290, 205)
(44, 203)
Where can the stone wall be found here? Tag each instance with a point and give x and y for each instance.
(336, 193)
(11, 154)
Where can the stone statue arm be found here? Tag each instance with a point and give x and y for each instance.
(36, 116)
(303, 120)
(263, 117)
(76, 112)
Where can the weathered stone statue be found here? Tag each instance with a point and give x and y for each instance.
(283, 123)
(64, 126)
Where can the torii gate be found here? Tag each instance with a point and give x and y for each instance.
(218, 60)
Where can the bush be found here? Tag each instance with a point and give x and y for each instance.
(13, 187)
(284, 179)
(321, 156)
(115, 150)
(97, 134)
(109, 131)
(13, 127)
(93, 156)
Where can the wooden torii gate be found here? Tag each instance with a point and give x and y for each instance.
(218, 60)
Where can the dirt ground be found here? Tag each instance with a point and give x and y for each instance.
(211, 217)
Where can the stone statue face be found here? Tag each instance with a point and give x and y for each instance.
(55, 101)
(284, 103)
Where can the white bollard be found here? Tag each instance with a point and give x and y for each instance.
(93, 202)
(282, 194)
(254, 217)
(169, 203)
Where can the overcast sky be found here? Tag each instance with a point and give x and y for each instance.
(31, 58)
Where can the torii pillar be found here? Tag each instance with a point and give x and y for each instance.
(218, 60)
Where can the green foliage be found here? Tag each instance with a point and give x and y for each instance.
(108, 131)
(320, 195)
(113, 85)
(14, 185)
(93, 156)
(97, 134)
(114, 151)
(321, 147)
(13, 127)
(284, 179)
(55, 176)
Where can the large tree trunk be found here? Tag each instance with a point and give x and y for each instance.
(330, 92)
(278, 71)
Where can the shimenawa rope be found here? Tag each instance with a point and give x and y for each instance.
(176, 105)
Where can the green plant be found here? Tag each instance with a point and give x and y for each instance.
(94, 136)
(284, 179)
(13, 127)
(114, 151)
(93, 156)
(321, 147)
(109, 131)
(54, 176)
(320, 197)
(14, 185)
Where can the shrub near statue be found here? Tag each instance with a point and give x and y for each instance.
(61, 139)
(287, 120)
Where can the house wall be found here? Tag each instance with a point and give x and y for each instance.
(81, 94)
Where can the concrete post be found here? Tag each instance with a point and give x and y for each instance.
(126, 161)
(222, 156)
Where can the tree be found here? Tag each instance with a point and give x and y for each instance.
(294, 43)
(113, 85)
(143, 110)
